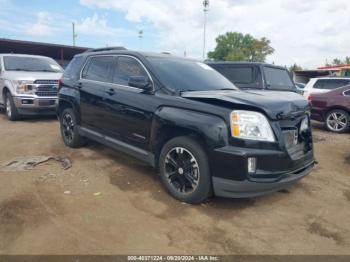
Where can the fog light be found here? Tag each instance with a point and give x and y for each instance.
(27, 101)
(251, 165)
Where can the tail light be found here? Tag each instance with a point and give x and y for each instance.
(310, 98)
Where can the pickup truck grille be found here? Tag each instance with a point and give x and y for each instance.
(46, 88)
(46, 82)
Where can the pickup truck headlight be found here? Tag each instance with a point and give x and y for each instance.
(24, 87)
(251, 125)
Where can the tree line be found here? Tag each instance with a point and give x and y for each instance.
(234, 46)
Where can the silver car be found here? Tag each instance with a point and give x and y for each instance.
(28, 85)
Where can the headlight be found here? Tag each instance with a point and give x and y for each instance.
(24, 87)
(251, 125)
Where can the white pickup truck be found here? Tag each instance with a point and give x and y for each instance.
(28, 85)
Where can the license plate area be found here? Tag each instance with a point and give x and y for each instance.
(47, 102)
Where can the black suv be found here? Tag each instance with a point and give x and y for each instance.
(188, 121)
(250, 75)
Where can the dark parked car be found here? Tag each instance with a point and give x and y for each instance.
(247, 75)
(188, 121)
(333, 108)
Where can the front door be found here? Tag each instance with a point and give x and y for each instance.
(130, 110)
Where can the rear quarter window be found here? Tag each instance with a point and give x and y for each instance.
(99, 68)
(73, 69)
(347, 93)
(331, 84)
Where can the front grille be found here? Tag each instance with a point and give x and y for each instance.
(291, 137)
(46, 94)
(297, 143)
(46, 88)
(46, 82)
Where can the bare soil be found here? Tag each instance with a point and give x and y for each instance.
(108, 203)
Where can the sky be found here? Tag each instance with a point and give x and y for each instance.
(306, 32)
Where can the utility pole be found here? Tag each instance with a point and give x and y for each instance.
(141, 37)
(74, 34)
(206, 9)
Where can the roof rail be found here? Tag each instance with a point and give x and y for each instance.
(105, 49)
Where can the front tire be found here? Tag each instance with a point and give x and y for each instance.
(338, 121)
(184, 170)
(69, 130)
(10, 108)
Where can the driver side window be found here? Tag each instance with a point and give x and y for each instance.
(127, 67)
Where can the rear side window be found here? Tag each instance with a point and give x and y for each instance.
(277, 78)
(127, 67)
(237, 75)
(73, 69)
(331, 83)
(99, 68)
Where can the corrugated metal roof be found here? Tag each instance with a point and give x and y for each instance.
(55, 51)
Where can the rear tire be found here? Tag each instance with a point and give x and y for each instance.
(184, 170)
(338, 121)
(69, 130)
(10, 108)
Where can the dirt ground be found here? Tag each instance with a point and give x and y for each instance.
(108, 203)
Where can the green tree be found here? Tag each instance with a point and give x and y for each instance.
(235, 46)
(337, 61)
(294, 68)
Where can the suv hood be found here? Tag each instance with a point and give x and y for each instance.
(276, 104)
(31, 76)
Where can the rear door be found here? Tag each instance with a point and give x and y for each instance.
(95, 78)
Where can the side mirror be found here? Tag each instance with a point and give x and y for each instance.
(141, 82)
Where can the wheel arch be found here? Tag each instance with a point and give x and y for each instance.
(335, 108)
(5, 90)
(209, 130)
(64, 104)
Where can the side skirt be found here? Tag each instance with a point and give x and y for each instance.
(136, 152)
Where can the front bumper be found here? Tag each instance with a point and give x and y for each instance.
(27, 105)
(245, 189)
(275, 169)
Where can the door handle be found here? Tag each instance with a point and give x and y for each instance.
(110, 91)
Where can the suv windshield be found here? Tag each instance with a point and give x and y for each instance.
(278, 78)
(188, 75)
(35, 64)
